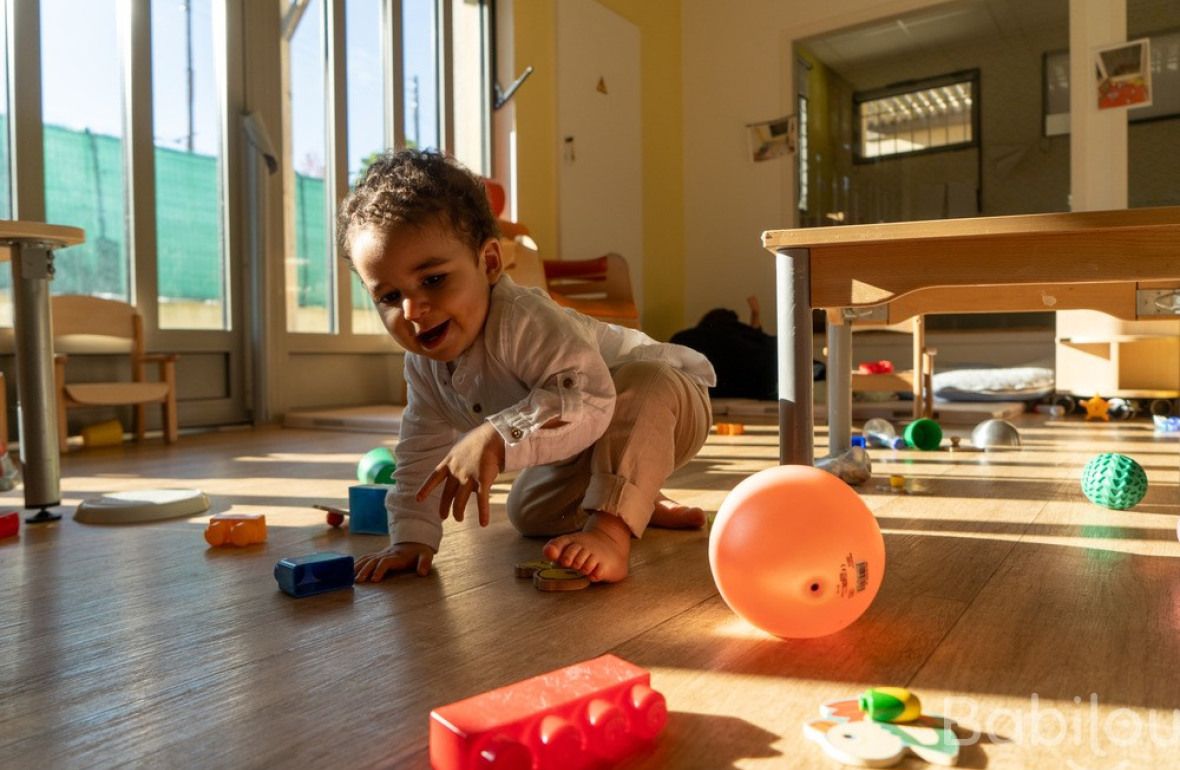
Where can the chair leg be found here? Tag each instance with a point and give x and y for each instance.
(140, 421)
(171, 425)
(62, 425)
(171, 428)
(928, 384)
(917, 386)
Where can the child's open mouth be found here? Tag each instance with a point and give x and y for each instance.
(431, 338)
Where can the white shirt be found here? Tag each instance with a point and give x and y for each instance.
(533, 362)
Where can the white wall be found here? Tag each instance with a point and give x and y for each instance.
(738, 68)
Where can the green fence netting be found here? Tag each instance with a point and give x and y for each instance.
(85, 187)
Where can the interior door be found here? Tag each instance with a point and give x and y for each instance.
(600, 163)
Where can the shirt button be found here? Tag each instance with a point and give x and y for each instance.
(477, 408)
(517, 433)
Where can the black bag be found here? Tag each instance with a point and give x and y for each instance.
(744, 357)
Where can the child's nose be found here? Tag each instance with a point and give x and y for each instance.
(413, 307)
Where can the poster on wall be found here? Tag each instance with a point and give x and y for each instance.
(771, 138)
(1123, 75)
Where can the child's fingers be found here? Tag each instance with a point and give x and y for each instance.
(364, 566)
(485, 512)
(389, 564)
(424, 562)
(448, 495)
(461, 497)
(432, 481)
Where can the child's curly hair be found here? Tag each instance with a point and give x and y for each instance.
(415, 188)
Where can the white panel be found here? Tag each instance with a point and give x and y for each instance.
(600, 159)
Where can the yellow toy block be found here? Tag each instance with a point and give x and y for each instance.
(236, 529)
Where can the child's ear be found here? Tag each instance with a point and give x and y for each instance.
(493, 259)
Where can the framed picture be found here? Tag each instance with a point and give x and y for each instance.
(1123, 75)
(771, 138)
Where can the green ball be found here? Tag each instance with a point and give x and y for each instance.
(1114, 481)
(923, 433)
(376, 467)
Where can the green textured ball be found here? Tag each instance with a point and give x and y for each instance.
(1114, 481)
(376, 467)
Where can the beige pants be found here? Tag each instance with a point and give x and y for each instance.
(661, 419)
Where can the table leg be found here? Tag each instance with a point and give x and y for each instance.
(839, 385)
(32, 269)
(793, 310)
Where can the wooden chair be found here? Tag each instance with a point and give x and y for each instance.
(75, 315)
(599, 288)
(523, 262)
(919, 381)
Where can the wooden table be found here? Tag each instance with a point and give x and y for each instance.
(1118, 262)
(29, 247)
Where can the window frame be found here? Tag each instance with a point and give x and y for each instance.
(912, 86)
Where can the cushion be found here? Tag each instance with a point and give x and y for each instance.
(1021, 383)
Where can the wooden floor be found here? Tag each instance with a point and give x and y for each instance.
(1048, 627)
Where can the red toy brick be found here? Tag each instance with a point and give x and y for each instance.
(9, 523)
(585, 715)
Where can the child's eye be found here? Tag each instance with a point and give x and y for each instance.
(392, 298)
(434, 280)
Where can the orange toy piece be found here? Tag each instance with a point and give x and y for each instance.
(585, 715)
(236, 529)
(730, 429)
(796, 552)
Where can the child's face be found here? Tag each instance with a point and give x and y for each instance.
(431, 290)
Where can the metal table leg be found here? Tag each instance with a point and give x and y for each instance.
(839, 385)
(793, 279)
(32, 269)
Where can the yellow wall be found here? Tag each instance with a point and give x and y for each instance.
(663, 173)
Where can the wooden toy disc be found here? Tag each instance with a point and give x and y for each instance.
(526, 569)
(560, 579)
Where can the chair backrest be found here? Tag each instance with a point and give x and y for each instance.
(606, 277)
(77, 314)
(523, 263)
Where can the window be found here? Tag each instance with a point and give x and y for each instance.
(920, 116)
(367, 85)
(471, 66)
(310, 271)
(371, 40)
(83, 140)
(5, 179)
(6, 308)
(190, 261)
(420, 41)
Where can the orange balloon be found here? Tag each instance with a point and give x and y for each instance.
(795, 551)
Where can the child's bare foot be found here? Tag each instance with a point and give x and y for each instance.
(601, 551)
(670, 514)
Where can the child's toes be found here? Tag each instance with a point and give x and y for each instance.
(554, 548)
(573, 556)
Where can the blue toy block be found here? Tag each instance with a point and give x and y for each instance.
(314, 573)
(366, 509)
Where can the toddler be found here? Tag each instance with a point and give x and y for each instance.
(500, 378)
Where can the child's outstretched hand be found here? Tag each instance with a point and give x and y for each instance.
(402, 557)
(472, 465)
